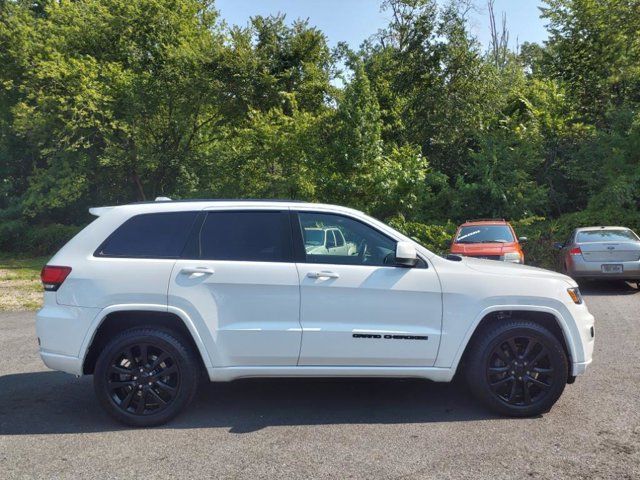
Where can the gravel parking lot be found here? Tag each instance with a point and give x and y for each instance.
(51, 427)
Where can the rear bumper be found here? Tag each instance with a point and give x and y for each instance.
(61, 329)
(63, 363)
(577, 267)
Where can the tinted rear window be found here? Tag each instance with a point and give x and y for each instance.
(591, 236)
(248, 236)
(485, 234)
(152, 235)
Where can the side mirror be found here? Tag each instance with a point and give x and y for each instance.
(406, 254)
(523, 239)
(558, 245)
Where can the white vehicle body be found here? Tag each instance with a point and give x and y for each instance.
(275, 319)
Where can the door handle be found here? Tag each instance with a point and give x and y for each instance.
(202, 270)
(324, 274)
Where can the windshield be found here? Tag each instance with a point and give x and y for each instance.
(484, 234)
(591, 236)
(313, 237)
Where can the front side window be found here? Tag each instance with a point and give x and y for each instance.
(485, 234)
(150, 235)
(261, 236)
(359, 244)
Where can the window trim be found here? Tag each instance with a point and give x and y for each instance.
(300, 255)
(197, 233)
(97, 252)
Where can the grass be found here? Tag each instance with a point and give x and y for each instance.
(20, 287)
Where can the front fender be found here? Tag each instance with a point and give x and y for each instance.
(562, 316)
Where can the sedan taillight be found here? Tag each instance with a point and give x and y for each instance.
(575, 251)
(52, 277)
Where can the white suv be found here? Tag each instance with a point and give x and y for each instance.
(150, 296)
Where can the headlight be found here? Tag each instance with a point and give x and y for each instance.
(513, 257)
(574, 293)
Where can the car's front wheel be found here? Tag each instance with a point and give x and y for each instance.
(517, 368)
(145, 376)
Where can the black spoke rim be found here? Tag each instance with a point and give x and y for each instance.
(519, 371)
(143, 379)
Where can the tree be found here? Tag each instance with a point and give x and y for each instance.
(594, 47)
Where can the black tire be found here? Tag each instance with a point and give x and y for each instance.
(145, 376)
(517, 368)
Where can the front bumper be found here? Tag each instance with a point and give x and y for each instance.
(583, 337)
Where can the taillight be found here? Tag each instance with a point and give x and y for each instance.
(575, 251)
(52, 277)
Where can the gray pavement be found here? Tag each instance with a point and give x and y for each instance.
(51, 426)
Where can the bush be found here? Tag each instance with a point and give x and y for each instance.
(436, 238)
(18, 237)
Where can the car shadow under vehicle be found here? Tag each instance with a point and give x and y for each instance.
(607, 288)
(54, 402)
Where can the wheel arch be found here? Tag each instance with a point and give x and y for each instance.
(544, 316)
(121, 317)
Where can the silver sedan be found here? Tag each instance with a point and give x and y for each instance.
(599, 253)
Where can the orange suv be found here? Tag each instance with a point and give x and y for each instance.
(493, 239)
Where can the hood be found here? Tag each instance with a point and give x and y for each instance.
(483, 248)
(507, 268)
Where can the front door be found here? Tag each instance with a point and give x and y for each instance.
(357, 307)
(237, 280)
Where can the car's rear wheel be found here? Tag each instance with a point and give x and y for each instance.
(145, 377)
(517, 368)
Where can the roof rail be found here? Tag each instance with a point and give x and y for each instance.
(185, 200)
(486, 220)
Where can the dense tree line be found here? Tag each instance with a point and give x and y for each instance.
(113, 101)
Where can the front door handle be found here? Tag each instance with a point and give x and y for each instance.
(323, 274)
(202, 270)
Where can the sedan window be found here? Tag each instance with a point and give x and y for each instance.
(619, 235)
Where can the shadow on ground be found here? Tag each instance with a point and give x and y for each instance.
(609, 288)
(53, 402)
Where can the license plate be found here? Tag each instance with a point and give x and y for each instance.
(611, 268)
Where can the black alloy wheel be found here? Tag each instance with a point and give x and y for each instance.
(516, 367)
(146, 376)
(519, 370)
(143, 379)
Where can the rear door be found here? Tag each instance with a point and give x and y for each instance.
(237, 279)
(358, 308)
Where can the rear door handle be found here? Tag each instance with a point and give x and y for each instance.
(323, 274)
(202, 270)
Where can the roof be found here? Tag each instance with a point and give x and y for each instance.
(486, 221)
(200, 200)
(161, 204)
(586, 229)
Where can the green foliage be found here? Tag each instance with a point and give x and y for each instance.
(19, 237)
(112, 101)
(436, 238)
